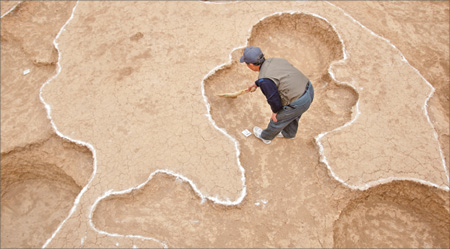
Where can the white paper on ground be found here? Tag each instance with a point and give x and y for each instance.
(246, 133)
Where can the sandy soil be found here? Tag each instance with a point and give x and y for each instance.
(115, 136)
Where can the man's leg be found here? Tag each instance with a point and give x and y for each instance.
(291, 129)
(285, 120)
(289, 117)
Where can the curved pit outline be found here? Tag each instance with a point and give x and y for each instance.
(358, 112)
(49, 111)
(178, 177)
(112, 192)
(12, 9)
(418, 199)
(236, 143)
(91, 148)
(323, 158)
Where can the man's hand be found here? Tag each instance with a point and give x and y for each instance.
(274, 117)
(252, 88)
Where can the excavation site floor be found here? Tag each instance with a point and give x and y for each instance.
(113, 135)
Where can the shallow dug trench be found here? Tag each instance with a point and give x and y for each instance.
(291, 199)
(310, 44)
(41, 173)
(39, 184)
(399, 214)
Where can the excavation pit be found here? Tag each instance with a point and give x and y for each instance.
(293, 167)
(288, 203)
(399, 214)
(39, 184)
(310, 44)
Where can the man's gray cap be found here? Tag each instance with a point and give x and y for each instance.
(252, 55)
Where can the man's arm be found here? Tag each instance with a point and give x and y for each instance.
(270, 90)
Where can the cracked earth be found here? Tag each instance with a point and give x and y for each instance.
(113, 136)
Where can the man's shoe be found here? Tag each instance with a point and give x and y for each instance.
(257, 131)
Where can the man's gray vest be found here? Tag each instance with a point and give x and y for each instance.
(290, 81)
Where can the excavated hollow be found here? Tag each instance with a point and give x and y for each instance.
(39, 184)
(399, 214)
(311, 45)
(333, 93)
(150, 211)
(41, 173)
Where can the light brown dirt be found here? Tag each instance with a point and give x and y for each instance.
(7, 6)
(394, 211)
(131, 85)
(39, 184)
(387, 86)
(425, 51)
(41, 173)
(27, 36)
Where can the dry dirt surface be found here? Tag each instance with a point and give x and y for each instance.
(113, 134)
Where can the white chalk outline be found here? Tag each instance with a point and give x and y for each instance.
(111, 192)
(129, 190)
(12, 8)
(48, 109)
(215, 2)
(179, 176)
(357, 111)
(77, 199)
(236, 143)
(388, 179)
